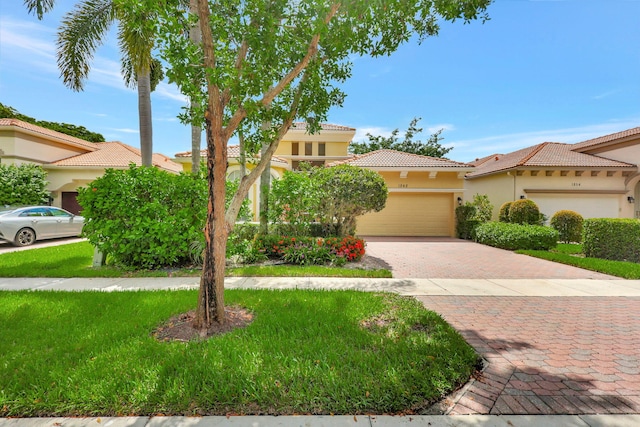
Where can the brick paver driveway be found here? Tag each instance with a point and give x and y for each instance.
(545, 355)
(440, 258)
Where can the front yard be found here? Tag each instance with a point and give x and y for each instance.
(305, 352)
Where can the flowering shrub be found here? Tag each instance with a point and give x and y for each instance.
(350, 248)
(309, 250)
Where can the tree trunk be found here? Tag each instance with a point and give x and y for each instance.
(211, 296)
(195, 35)
(265, 186)
(196, 136)
(144, 114)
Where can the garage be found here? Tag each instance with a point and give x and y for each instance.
(599, 205)
(410, 214)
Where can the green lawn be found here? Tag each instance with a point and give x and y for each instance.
(571, 254)
(75, 259)
(306, 352)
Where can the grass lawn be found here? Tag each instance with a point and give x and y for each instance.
(571, 254)
(75, 259)
(306, 352)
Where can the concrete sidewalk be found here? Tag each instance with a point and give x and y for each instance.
(411, 287)
(590, 289)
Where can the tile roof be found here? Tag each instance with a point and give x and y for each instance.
(605, 139)
(398, 159)
(233, 152)
(547, 154)
(117, 155)
(323, 126)
(50, 133)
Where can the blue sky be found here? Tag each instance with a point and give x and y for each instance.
(561, 71)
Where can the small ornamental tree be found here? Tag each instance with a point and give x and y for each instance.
(346, 193)
(293, 202)
(265, 64)
(25, 184)
(569, 225)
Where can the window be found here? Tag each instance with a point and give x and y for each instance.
(234, 175)
(321, 149)
(294, 148)
(308, 148)
(295, 165)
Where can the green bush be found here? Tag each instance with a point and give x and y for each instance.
(144, 217)
(516, 236)
(503, 215)
(612, 238)
(465, 224)
(525, 211)
(23, 185)
(569, 225)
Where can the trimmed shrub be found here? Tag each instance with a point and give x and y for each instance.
(569, 225)
(465, 222)
(22, 185)
(503, 215)
(524, 211)
(615, 239)
(516, 236)
(144, 217)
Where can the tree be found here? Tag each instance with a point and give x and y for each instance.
(80, 34)
(274, 62)
(81, 132)
(25, 184)
(431, 147)
(347, 192)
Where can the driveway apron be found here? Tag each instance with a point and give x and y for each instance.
(543, 355)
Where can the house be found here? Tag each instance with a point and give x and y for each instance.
(70, 162)
(423, 194)
(596, 178)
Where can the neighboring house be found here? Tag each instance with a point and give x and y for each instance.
(330, 144)
(596, 178)
(70, 162)
(423, 194)
(278, 166)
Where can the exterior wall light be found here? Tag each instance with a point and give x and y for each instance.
(459, 201)
(631, 199)
(522, 197)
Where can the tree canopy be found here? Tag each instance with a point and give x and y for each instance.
(7, 112)
(431, 147)
(264, 64)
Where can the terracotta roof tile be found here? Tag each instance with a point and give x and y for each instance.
(605, 139)
(398, 159)
(233, 152)
(323, 126)
(547, 154)
(117, 155)
(51, 133)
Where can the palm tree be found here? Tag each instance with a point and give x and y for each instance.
(83, 30)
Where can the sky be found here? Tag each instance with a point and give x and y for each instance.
(537, 71)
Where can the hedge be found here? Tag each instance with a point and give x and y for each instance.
(516, 236)
(612, 238)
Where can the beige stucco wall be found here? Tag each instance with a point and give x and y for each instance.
(22, 148)
(585, 194)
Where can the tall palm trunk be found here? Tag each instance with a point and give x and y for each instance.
(196, 132)
(144, 113)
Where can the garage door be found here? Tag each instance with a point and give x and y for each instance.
(410, 214)
(587, 205)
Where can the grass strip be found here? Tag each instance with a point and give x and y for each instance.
(626, 270)
(306, 352)
(75, 260)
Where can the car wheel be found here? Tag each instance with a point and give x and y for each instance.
(25, 237)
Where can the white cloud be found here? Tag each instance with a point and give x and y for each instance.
(170, 91)
(606, 94)
(29, 43)
(125, 130)
(361, 132)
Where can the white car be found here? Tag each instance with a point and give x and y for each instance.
(23, 226)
